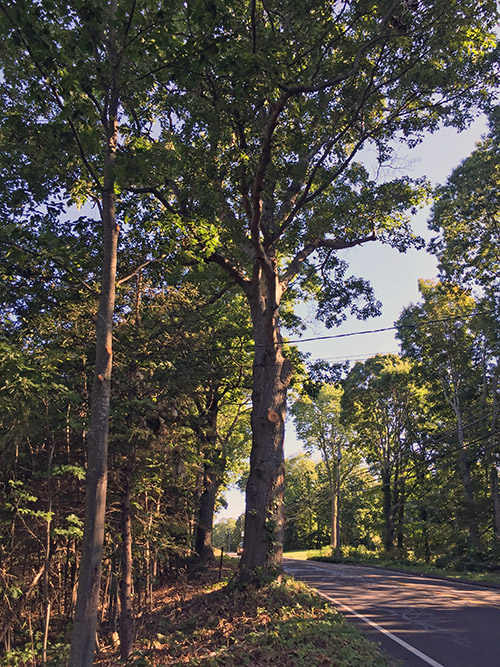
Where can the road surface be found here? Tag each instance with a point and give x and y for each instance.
(417, 620)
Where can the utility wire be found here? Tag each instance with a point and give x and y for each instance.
(393, 328)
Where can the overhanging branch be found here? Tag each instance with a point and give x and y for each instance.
(235, 272)
(332, 244)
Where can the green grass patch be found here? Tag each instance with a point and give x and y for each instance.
(475, 576)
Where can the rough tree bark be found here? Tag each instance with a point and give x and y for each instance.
(264, 516)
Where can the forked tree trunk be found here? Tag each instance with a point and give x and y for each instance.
(264, 516)
(84, 628)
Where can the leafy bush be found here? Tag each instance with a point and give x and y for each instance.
(465, 557)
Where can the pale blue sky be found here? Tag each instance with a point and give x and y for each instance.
(393, 275)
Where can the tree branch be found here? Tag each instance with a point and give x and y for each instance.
(157, 194)
(139, 268)
(56, 96)
(56, 261)
(333, 244)
(235, 272)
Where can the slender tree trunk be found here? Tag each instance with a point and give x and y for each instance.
(48, 548)
(388, 513)
(113, 596)
(496, 501)
(333, 521)
(333, 501)
(491, 459)
(400, 529)
(425, 532)
(126, 613)
(264, 516)
(469, 502)
(337, 505)
(84, 629)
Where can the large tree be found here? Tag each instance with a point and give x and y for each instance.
(258, 132)
(71, 85)
(318, 425)
(379, 401)
(437, 335)
(466, 215)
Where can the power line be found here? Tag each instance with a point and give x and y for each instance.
(393, 328)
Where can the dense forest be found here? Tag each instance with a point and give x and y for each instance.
(175, 179)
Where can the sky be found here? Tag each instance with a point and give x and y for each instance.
(394, 276)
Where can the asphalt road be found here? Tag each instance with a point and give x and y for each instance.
(416, 620)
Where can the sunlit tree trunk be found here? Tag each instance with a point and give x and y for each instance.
(264, 516)
(84, 627)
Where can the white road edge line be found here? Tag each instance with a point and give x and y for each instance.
(399, 641)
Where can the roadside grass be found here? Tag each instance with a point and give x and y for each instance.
(324, 554)
(206, 623)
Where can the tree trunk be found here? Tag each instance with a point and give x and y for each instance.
(212, 476)
(388, 514)
(126, 613)
(469, 503)
(332, 486)
(203, 542)
(491, 458)
(490, 454)
(400, 530)
(425, 533)
(496, 501)
(112, 610)
(333, 520)
(85, 622)
(48, 549)
(264, 515)
(337, 506)
(14, 613)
